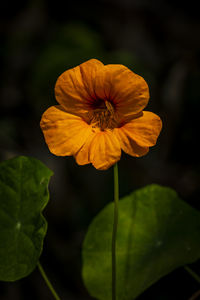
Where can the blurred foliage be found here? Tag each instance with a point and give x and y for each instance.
(68, 46)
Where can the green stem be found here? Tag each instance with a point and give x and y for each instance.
(48, 282)
(192, 273)
(114, 233)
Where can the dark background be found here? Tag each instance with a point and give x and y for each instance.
(159, 40)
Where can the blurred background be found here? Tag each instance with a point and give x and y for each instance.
(159, 40)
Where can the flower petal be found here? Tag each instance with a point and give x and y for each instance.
(83, 155)
(143, 130)
(74, 87)
(128, 91)
(64, 133)
(104, 150)
(128, 145)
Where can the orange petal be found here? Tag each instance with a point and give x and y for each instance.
(83, 155)
(143, 132)
(128, 145)
(128, 91)
(64, 133)
(74, 87)
(104, 150)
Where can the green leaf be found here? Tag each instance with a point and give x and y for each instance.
(157, 233)
(23, 196)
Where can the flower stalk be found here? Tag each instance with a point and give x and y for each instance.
(51, 288)
(114, 233)
(192, 273)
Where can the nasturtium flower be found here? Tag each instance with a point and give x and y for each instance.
(100, 113)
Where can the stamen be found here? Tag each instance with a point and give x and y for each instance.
(103, 117)
(110, 108)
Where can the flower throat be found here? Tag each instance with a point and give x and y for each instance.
(103, 117)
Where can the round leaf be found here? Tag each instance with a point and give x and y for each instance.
(23, 196)
(157, 232)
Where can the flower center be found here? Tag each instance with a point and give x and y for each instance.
(103, 117)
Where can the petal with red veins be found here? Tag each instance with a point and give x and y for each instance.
(74, 88)
(128, 91)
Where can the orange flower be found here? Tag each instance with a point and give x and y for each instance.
(100, 112)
